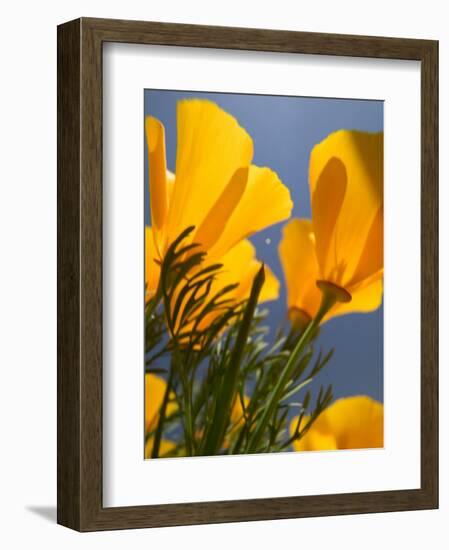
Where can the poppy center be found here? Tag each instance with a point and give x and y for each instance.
(340, 293)
(299, 317)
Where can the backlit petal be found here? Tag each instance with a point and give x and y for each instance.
(366, 297)
(237, 420)
(357, 422)
(237, 409)
(165, 447)
(315, 440)
(211, 146)
(241, 266)
(218, 216)
(349, 423)
(300, 266)
(271, 285)
(265, 201)
(361, 155)
(154, 395)
(372, 257)
(152, 269)
(327, 200)
(157, 166)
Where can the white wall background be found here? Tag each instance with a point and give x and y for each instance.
(28, 273)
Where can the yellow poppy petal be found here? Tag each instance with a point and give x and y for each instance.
(152, 269)
(349, 423)
(372, 257)
(154, 396)
(327, 199)
(238, 267)
(157, 166)
(211, 146)
(241, 266)
(165, 447)
(171, 180)
(170, 185)
(266, 201)
(271, 285)
(361, 154)
(300, 266)
(218, 216)
(315, 440)
(357, 422)
(237, 409)
(366, 297)
(237, 419)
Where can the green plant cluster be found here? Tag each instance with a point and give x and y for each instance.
(215, 356)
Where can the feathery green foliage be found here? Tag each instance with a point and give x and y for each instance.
(233, 388)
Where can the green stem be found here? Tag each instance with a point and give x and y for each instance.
(162, 412)
(176, 360)
(327, 301)
(152, 304)
(188, 425)
(215, 433)
(182, 370)
(235, 448)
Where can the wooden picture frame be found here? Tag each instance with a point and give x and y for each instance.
(80, 351)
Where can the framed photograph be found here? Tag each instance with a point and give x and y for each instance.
(247, 274)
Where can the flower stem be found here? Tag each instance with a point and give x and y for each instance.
(162, 412)
(188, 425)
(215, 433)
(327, 301)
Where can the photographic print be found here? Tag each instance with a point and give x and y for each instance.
(221, 283)
(263, 299)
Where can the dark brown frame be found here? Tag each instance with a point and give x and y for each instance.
(80, 274)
